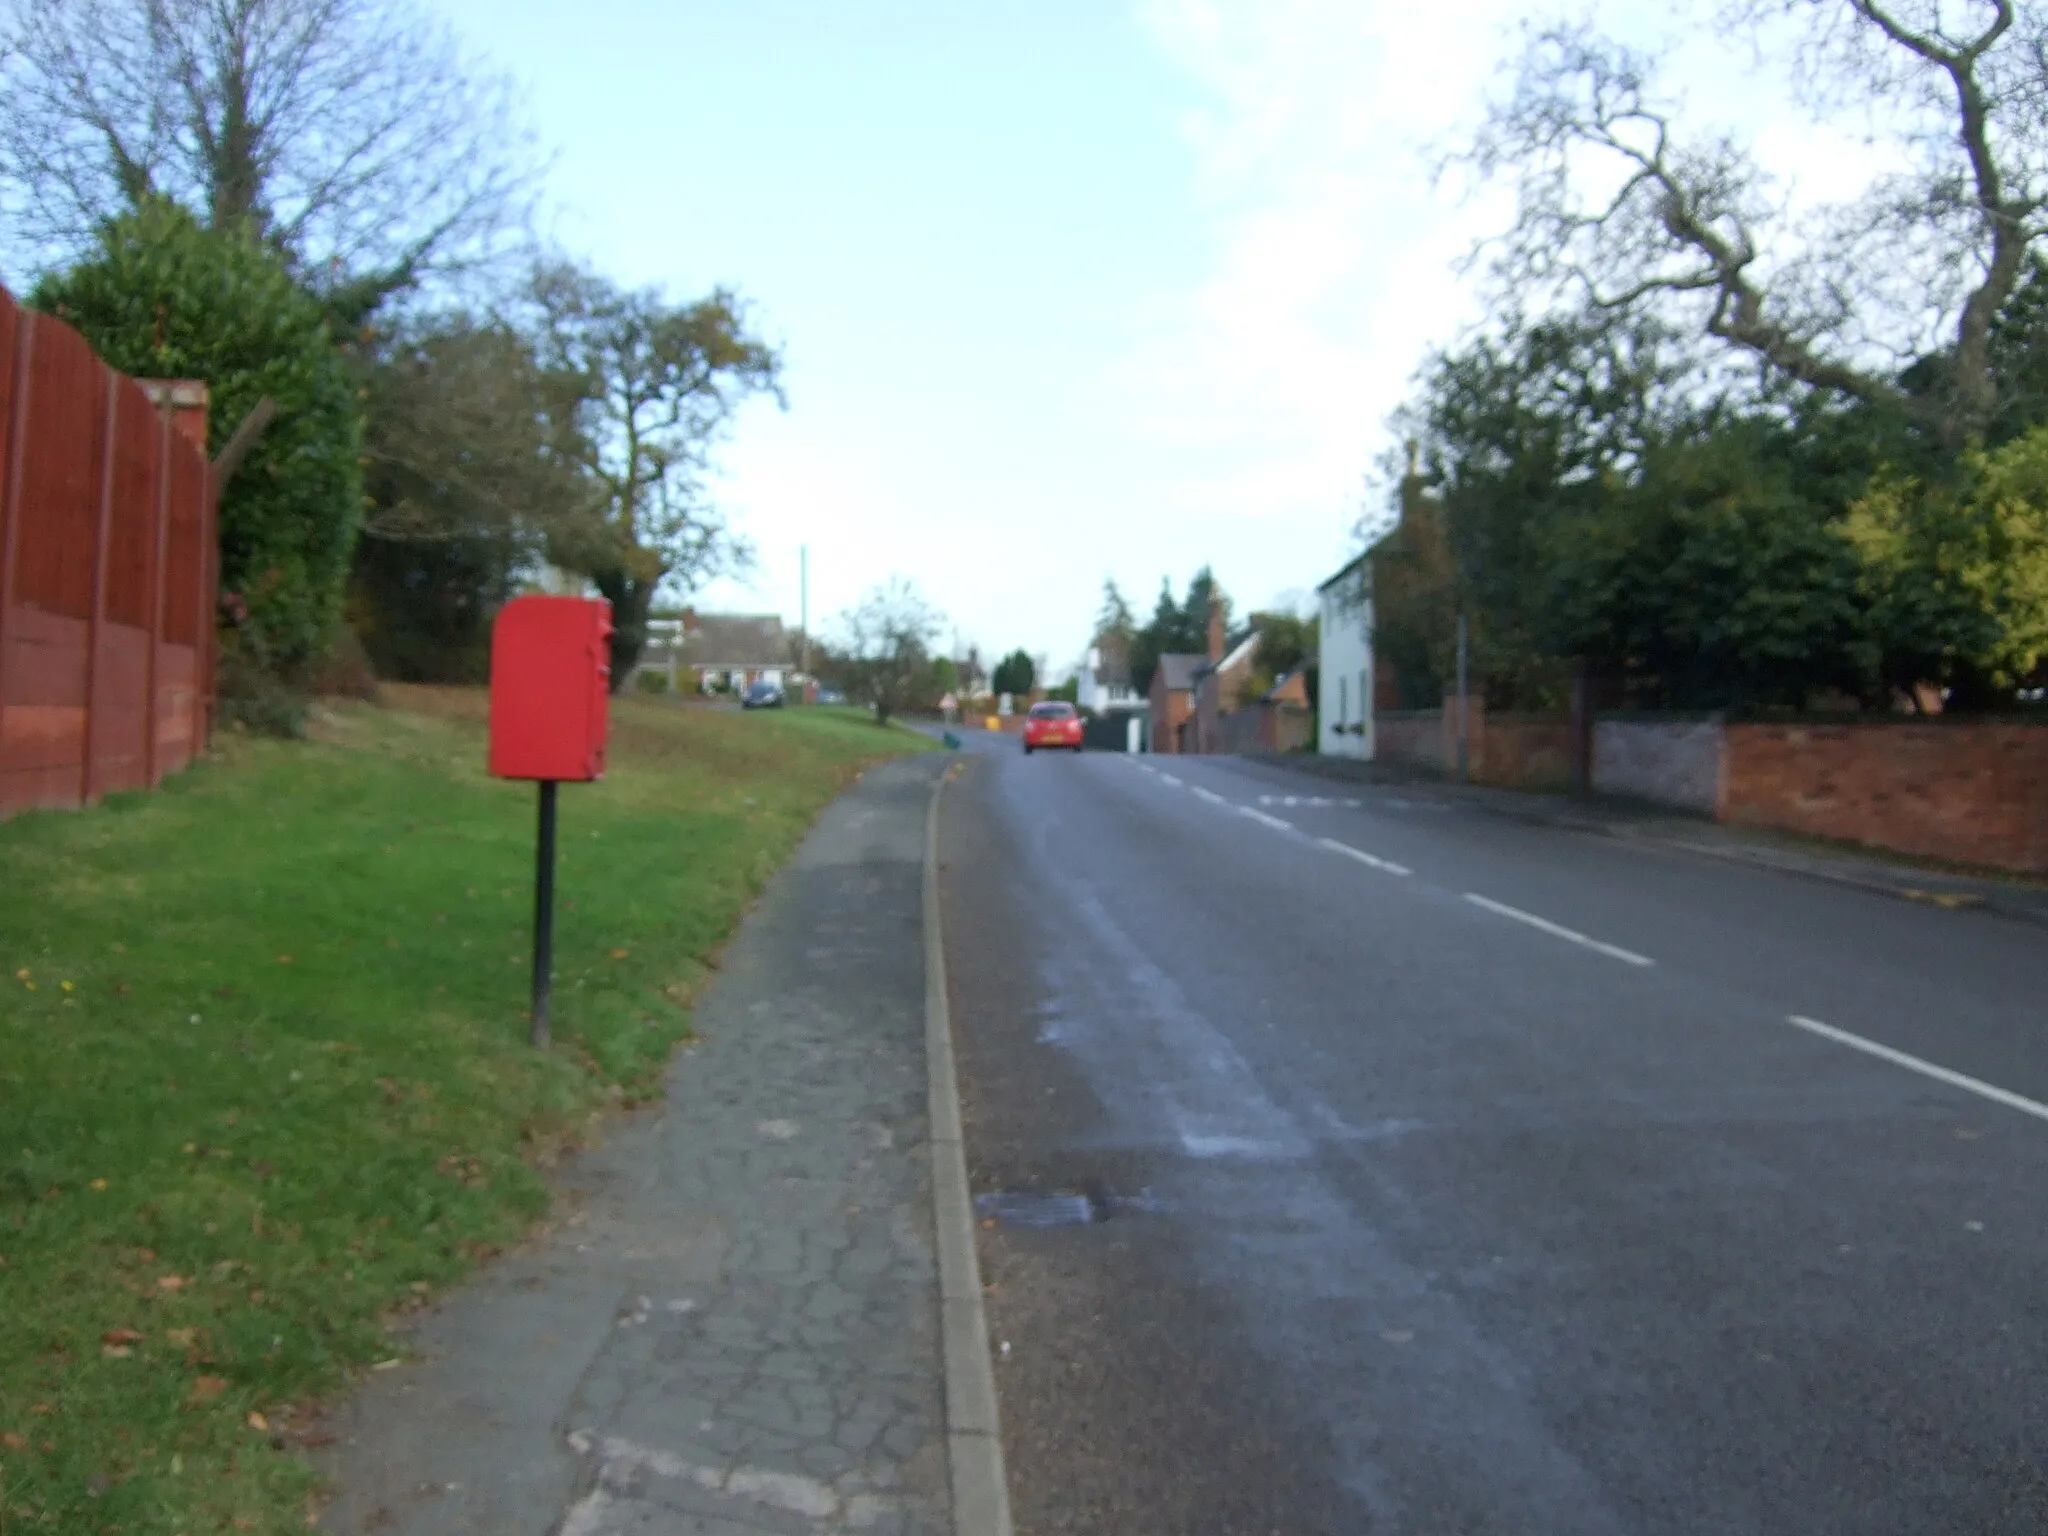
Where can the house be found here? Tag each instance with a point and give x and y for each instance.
(1346, 690)
(1173, 698)
(723, 650)
(1104, 681)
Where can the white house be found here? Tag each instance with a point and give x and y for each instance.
(1104, 678)
(1345, 692)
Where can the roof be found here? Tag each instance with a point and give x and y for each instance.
(735, 640)
(1178, 669)
(1356, 561)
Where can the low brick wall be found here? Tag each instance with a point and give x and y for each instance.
(1672, 762)
(1524, 752)
(1411, 736)
(1972, 792)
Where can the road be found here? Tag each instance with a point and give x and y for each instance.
(1444, 1173)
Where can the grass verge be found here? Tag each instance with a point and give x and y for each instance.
(263, 1077)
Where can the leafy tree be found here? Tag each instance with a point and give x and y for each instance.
(1957, 575)
(1014, 674)
(887, 663)
(658, 385)
(468, 462)
(945, 677)
(348, 135)
(166, 298)
(1176, 627)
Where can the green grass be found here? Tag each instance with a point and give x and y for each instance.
(263, 1073)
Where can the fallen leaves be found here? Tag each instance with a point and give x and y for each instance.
(171, 1283)
(258, 1422)
(14, 1442)
(207, 1388)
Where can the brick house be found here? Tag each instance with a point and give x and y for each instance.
(1173, 698)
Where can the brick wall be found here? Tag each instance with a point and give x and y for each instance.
(1523, 752)
(1975, 792)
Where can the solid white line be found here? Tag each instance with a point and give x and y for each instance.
(1556, 930)
(1169, 778)
(1925, 1068)
(1364, 858)
(1209, 795)
(1271, 821)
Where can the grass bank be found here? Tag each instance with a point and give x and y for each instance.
(263, 1077)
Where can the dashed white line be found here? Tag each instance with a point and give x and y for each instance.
(1557, 930)
(1349, 852)
(1209, 795)
(1974, 1085)
(1264, 820)
(1169, 779)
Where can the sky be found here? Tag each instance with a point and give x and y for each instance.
(1066, 291)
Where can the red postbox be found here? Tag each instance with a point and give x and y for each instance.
(550, 682)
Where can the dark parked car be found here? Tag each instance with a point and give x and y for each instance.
(762, 695)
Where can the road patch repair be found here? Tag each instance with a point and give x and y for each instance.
(735, 1322)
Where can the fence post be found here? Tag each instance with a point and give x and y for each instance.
(159, 547)
(109, 433)
(10, 493)
(208, 603)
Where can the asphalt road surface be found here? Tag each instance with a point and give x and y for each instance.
(1448, 1174)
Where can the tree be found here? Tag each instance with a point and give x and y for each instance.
(164, 297)
(888, 662)
(1618, 208)
(349, 135)
(469, 460)
(1181, 627)
(1957, 576)
(1015, 674)
(658, 385)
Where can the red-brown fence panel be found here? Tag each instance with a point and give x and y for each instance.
(106, 574)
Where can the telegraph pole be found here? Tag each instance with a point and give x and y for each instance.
(803, 587)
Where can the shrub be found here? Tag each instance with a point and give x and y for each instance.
(166, 298)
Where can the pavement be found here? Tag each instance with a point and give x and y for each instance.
(732, 1323)
(1357, 1158)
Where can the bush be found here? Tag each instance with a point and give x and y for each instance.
(167, 298)
(647, 680)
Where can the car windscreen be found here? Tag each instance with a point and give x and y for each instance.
(1051, 711)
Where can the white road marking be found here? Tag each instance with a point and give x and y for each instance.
(1209, 795)
(1169, 778)
(1982, 1089)
(1556, 930)
(1353, 804)
(1363, 857)
(1263, 819)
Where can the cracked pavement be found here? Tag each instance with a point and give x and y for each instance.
(731, 1324)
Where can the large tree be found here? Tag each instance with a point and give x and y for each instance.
(659, 384)
(470, 457)
(1890, 299)
(350, 135)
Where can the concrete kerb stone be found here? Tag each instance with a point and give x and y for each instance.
(974, 1442)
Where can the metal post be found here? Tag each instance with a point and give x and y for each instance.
(544, 914)
(1464, 715)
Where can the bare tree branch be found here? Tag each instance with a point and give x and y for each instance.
(350, 133)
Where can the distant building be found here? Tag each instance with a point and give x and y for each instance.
(1346, 670)
(1104, 681)
(718, 651)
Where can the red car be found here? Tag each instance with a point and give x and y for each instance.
(1052, 724)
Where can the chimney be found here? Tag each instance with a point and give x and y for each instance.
(1215, 629)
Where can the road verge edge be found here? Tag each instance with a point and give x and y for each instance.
(974, 1440)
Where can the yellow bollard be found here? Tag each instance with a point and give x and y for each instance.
(992, 723)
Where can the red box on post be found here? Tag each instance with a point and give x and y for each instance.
(550, 685)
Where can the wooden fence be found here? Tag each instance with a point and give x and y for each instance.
(108, 571)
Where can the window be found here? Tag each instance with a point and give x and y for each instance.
(1343, 701)
(1052, 710)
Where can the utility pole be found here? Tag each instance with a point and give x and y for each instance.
(803, 587)
(1464, 715)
